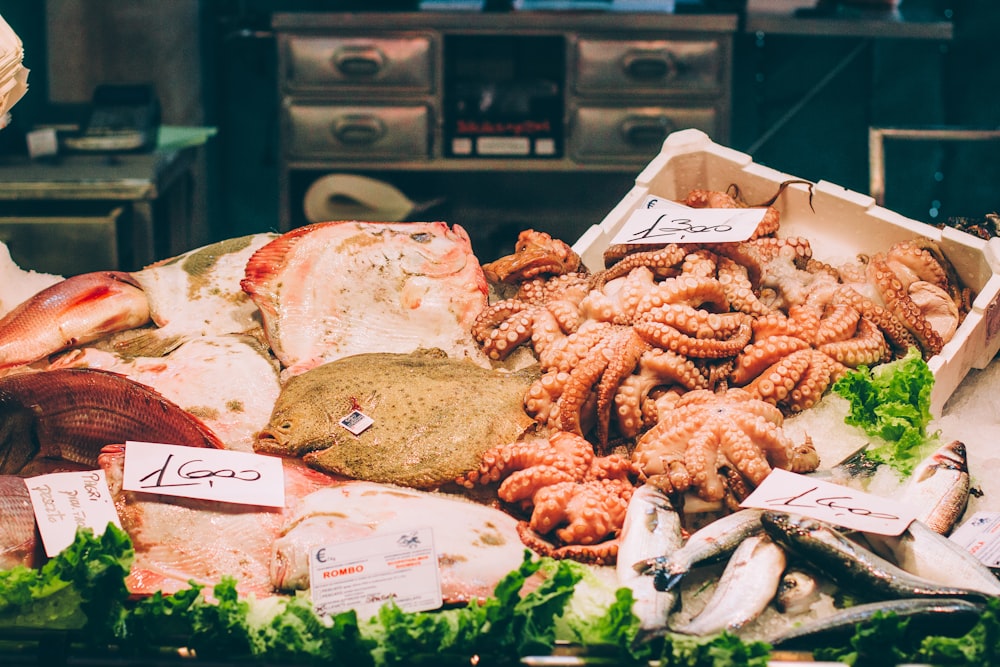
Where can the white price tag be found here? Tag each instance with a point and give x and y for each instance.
(222, 475)
(981, 536)
(668, 224)
(356, 422)
(65, 501)
(365, 574)
(785, 491)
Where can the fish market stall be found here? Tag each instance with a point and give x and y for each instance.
(658, 442)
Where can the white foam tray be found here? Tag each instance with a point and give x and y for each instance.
(840, 224)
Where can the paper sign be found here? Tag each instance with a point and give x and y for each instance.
(981, 536)
(66, 501)
(222, 475)
(365, 574)
(691, 225)
(785, 491)
(652, 201)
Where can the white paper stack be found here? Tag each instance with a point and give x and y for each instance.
(13, 74)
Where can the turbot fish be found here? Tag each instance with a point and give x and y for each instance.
(711, 543)
(652, 527)
(433, 417)
(850, 564)
(747, 585)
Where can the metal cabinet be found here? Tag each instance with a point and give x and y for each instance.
(450, 106)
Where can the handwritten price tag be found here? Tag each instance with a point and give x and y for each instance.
(66, 501)
(365, 574)
(799, 494)
(208, 474)
(664, 221)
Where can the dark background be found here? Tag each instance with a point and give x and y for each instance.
(213, 62)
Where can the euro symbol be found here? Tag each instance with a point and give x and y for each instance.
(321, 555)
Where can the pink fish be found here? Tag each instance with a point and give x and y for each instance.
(335, 289)
(19, 540)
(71, 312)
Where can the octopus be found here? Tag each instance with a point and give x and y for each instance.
(576, 500)
(709, 440)
(535, 253)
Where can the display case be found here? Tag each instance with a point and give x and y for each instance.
(511, 120)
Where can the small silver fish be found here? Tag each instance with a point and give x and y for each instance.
(922, 551)
(747, 585)
(711, 543)
(797, 591)
(652, 527)
(937, 616)
(938, 488)
(850, 564)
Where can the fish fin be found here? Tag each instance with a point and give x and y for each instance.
(146, 343)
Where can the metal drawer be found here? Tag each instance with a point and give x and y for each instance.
(358, 132)
(66, 245)
(392, 62)
(606, 66)
(632, 133)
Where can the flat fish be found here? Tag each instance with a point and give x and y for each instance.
(434, 417)
(197, 293)
(18, 285)
(71, 312)
(19, 540)
(476, 545)
(229, 382)
(70, 414)
(178, 540)
(335, 289)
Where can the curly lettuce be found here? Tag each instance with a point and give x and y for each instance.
(892, 404)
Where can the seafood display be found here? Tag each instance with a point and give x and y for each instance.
(648, 399)
(421, 436)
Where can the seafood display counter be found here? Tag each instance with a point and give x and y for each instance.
(600, 418)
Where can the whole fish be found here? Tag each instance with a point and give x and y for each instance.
(850, 564)
(797, 591)
(747, 585)
(19, 540)
(938, 616)
(711, 543)
(76, 310)
(652, 527)
(70, 414)
(433, 417)
(938, 488)
(923, 551)
(335, 289)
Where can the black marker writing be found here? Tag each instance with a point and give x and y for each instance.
(190, 476)
(679, 227)
(829, 502)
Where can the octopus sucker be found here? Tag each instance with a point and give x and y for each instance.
(663, 261)
(758, 356)
(535, 253)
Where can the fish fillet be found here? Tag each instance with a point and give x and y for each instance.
(331, 290)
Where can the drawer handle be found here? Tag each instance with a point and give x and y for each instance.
(649, 65)
(358, 61)
(358, 129)
(645, 132)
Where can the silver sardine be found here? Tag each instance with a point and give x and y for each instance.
(926, 553)
(797, 592)
(747, 585)
(850, 564)
(711, 543)
(938, 489)
(933, 616)
(652, 528)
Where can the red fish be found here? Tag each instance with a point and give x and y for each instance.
(19, 540)
(77, 310)
(70, 414)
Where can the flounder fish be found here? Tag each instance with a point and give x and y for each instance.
(333, 289)
(434, 417)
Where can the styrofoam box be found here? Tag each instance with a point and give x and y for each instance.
(840, 224)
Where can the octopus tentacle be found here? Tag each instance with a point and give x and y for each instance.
(760, 355)
(663, 261)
